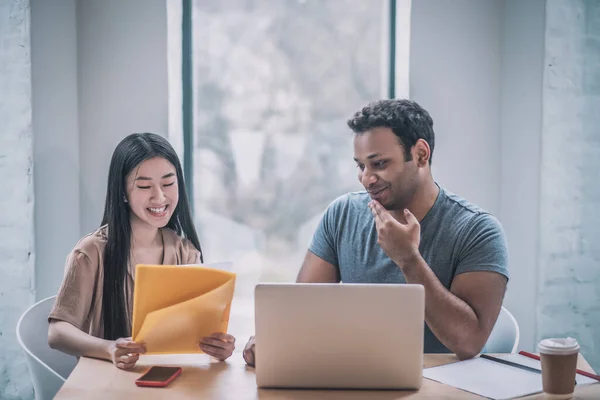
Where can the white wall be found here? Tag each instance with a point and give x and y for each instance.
(16, 202)
(99, 73)
(455, 61)
(56, 138)
(174, 63)
(402, 50)
(521, 120)
(569, 279)
(123, 86)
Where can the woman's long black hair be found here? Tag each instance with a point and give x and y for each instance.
(130, 153)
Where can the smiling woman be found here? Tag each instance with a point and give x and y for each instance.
(146, 220)
(153, 192)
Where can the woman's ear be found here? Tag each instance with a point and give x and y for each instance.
(125, 199)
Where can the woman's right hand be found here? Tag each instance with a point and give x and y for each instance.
(124, 352)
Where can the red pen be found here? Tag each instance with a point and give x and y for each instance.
(584, 373)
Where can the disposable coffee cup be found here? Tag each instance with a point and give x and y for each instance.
(559, 364)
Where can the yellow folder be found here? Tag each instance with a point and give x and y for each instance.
(175, 306)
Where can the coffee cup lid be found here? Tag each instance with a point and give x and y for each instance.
(558, 346)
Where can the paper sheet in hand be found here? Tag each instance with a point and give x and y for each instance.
(175, 306)
(491, 379)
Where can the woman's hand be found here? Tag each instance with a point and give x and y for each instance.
(124, 352)
(218, 345)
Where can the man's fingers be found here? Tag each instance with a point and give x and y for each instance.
(376, 216)
(373, 211)
(249, 355)
(410, 218)
(249, 351)
(379, 211)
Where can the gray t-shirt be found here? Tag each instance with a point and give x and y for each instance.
(456, 237)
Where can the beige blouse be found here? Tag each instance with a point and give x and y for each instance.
(79, 299)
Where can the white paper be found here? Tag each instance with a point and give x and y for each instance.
(530, 362)
(492, 379)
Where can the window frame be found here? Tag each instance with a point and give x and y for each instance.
(187, 60)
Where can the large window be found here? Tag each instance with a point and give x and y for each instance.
(273, 83)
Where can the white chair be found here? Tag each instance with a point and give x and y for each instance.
(505, 334)
(49, 368)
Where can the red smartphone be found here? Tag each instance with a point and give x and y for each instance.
(158, 376)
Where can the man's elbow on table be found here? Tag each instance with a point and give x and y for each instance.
(466, 352)
(470, 346)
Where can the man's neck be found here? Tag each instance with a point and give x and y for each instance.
(422, 201)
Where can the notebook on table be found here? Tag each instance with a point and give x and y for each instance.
(493, 379)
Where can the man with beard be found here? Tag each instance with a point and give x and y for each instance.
(405, 228)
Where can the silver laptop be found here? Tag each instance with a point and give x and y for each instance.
(339, 336)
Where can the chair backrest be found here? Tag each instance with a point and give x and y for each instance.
(49, 368)
(505, 335)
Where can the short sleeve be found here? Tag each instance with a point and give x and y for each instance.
(74, 299)
(190, 255)
(484, 247)
(323, 243)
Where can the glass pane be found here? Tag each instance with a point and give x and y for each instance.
(274, 83)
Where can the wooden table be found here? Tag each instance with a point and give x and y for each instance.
(204, 378)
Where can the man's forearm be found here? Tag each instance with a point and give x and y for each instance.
(450, 319)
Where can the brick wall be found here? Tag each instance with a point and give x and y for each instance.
(16, 203)
(569, 301)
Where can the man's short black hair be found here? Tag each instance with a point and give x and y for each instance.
(408, 120)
